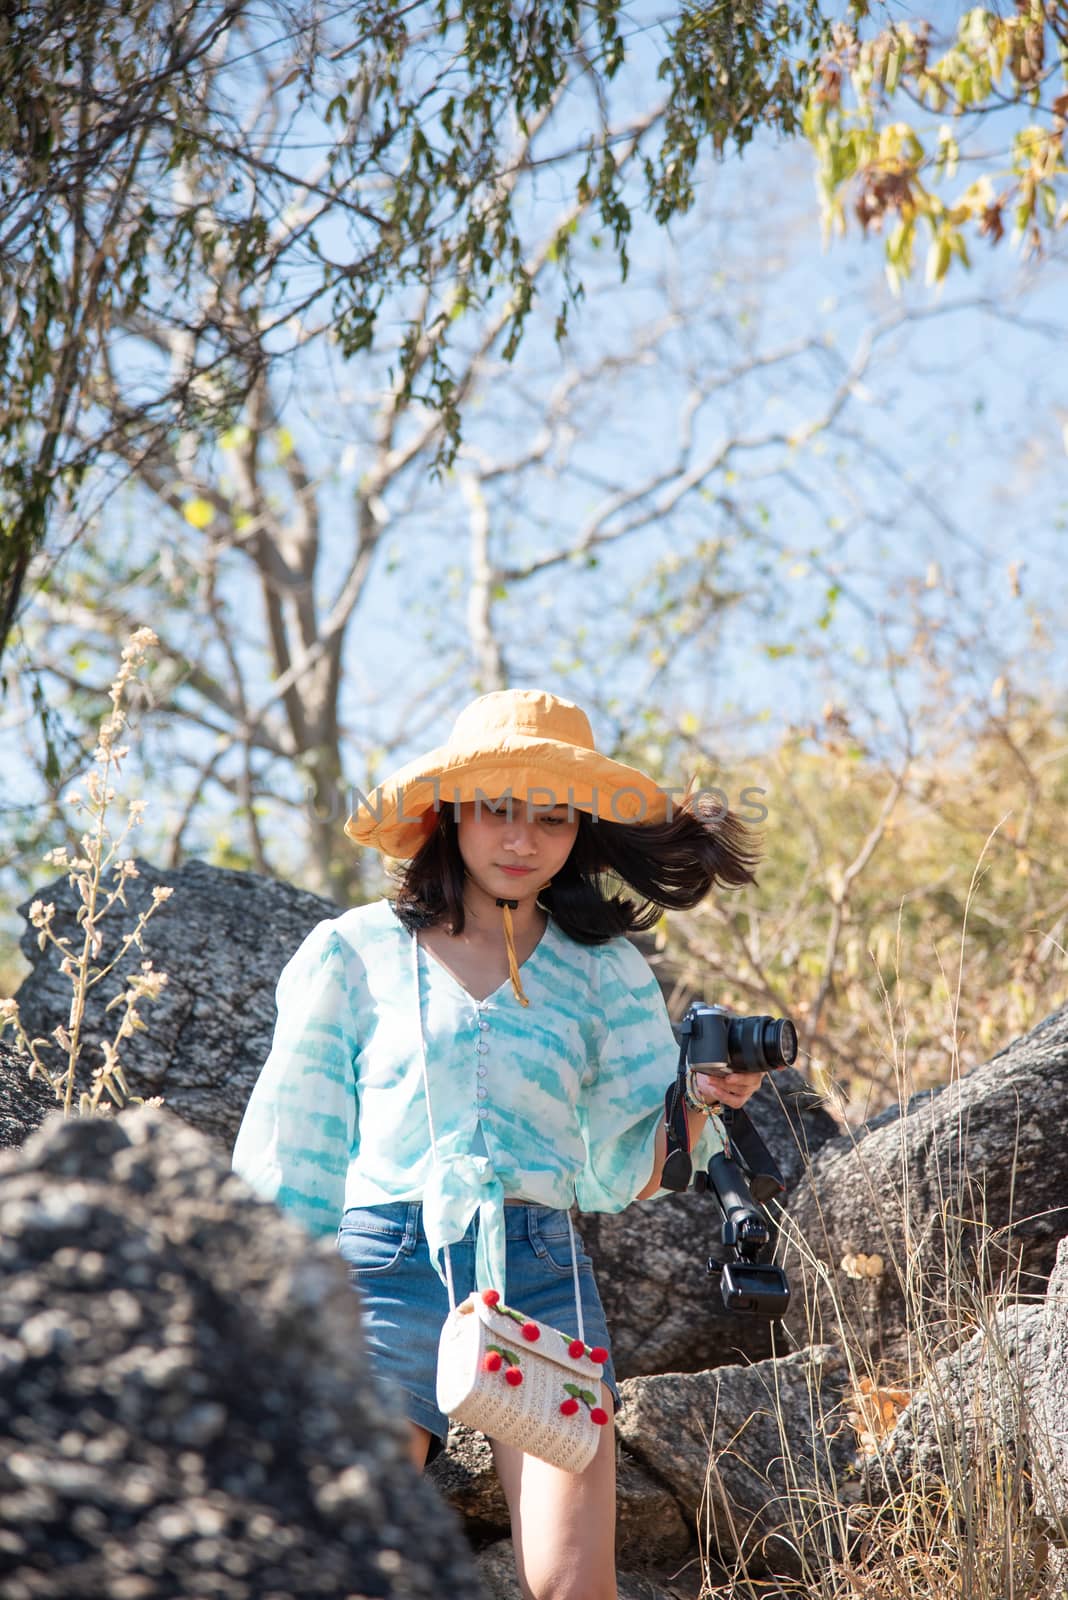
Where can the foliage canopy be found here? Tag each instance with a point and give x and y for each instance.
(306, 162)
(289, 169)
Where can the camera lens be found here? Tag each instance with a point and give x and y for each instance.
(785, 1046)
(761, 1044)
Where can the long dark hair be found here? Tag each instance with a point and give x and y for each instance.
(669, 866)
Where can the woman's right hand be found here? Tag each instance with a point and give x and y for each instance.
(731, 1089)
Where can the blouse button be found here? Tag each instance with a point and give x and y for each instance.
(484, 1025)
(482, 1048)
(482, 1072)
(482, 1091)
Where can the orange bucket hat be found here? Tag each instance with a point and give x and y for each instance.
(519, 744)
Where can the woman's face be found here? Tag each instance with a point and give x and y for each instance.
(509, 854)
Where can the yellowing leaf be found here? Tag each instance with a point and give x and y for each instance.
(199, 513)
(856, 1265)
(938, 259)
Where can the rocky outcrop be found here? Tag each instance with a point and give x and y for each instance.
(222, 940)
(1051, 1407)
(975, 1408)
(962, 1194)
(24, 1101)
(185, 1405)
(754, 1455)
(987, 1432)
(182, 1389)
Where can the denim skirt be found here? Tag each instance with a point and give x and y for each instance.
(405, 1303)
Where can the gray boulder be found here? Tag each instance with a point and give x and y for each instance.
(185, 1405)
(24, 1101)
(974, 1414)
(1051, 1410)
(988, 1433)
(222, 940)
(959, 1193)
(756, 1455)
(466, 1478)
(665, 1313)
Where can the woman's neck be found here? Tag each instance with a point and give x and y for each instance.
(482, 914)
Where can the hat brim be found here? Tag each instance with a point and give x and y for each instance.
(398, 816)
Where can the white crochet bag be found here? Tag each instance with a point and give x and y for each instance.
(514, 1378)
(517, 1380)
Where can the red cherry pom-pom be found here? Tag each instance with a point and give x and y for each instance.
(599, 1354)
(531, 1331)
(491, 1361)
(569, 1406)
(599, 1416)
(491, 1297)
(576, 1348)
(513, 1376)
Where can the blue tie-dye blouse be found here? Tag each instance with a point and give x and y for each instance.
(557, 1100)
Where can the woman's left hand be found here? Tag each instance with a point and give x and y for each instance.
(733, 1089)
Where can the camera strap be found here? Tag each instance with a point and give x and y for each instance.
(745, 1145)
(678, 1164)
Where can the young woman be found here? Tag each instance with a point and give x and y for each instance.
(548, 1051)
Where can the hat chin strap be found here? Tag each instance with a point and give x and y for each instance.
(507, 907)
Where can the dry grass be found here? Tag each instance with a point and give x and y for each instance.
(967, 1526)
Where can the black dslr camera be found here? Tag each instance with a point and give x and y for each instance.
(743, 1177)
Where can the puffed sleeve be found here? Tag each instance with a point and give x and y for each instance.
(633, 1058)
(300, 1125)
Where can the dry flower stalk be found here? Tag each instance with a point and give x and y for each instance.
(100, 854)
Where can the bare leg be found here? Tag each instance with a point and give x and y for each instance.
(418, 1445)
(563, 1523)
